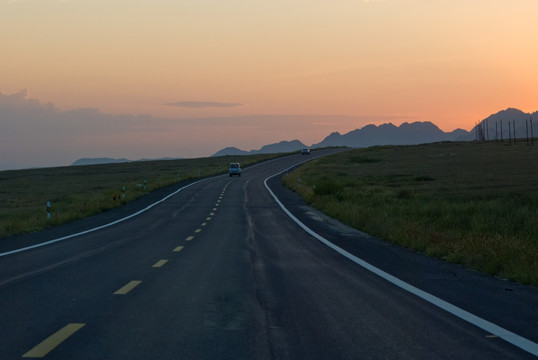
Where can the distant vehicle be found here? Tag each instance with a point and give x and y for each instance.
(305, 151)
(234, 169)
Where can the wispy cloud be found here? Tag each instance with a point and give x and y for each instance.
(40, 134)
(203, 104)
(34, 133)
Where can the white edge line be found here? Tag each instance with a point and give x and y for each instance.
(103, 226)
(514, 339)
(122, 219)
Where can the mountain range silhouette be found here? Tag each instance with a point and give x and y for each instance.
(407, 134)
(494, 127)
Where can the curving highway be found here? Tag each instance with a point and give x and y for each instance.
(240, 268)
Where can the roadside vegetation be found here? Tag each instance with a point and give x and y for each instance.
(79, 191)
(474, 204)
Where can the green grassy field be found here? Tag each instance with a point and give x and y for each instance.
(474, 204)
(79, 191)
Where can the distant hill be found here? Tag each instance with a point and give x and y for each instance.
(386, 134)
(495, 126)
(370, 135)
(230, 151)
(389, 134)
(159, 159)
(96, 161)
(281, 147)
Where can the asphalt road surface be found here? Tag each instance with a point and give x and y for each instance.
(219, 270)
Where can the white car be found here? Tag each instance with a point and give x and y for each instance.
(234, 169)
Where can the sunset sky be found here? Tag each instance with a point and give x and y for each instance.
(185, 78)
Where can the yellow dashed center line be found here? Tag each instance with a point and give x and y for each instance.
(130, 286)
(159, 263)
(52, 341)
(61, 335)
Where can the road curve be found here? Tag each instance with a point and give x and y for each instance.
(220, 271)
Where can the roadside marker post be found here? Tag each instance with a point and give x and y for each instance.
(123, 192)
(48, 209)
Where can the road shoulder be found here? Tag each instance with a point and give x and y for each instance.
(505, 303)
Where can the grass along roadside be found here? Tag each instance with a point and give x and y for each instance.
(79, 191)
(475, 204)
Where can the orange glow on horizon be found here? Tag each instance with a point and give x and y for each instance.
(449, 62)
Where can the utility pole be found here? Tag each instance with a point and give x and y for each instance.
(514, 126)
(532, 133)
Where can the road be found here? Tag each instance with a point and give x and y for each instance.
(220, 271)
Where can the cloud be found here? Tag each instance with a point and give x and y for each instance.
(34, 133)
(40, 134)
(203, 104)
(17, 98)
